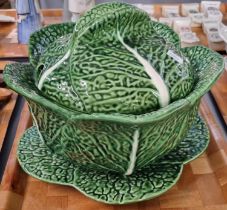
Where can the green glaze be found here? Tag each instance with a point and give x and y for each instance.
(101, 144)
(104, 145)
(94, 72)
(39, 161)
(44, 37)
(124, 134)
(105, 141)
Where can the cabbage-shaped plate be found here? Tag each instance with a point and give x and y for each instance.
(108, 187)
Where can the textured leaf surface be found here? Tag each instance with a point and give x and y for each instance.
(41, 39)
(108, 145)
(18, 77)
(101, 75)
(206, 64)
(198, 139)
(39, 161)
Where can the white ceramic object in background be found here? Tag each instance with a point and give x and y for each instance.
(166, 21)
(79, 7)
(182, 24)
(197, 19)
(4, 18)
(206, 4)
(225, 61)
(147, 8)
(211, 10)
(170, 11)
(211, 29)
(66, 13)
(222, 30)
(189, 8)
(192, 11)
(215, 41)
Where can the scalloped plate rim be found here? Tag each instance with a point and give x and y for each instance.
(100, 200)
(156, 194)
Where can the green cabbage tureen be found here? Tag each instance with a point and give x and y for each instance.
(114, 101)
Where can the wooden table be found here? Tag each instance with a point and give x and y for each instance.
(219, 91)
(202, 186)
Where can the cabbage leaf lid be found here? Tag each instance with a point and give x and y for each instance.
(40, 40)
(207, 64)
(114, 61)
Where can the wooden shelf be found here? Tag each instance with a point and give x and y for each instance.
(219, 91)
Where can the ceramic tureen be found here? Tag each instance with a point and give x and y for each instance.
(114, 101)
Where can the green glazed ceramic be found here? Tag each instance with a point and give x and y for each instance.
(39, 161)
(121, 63)
(113, 93)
